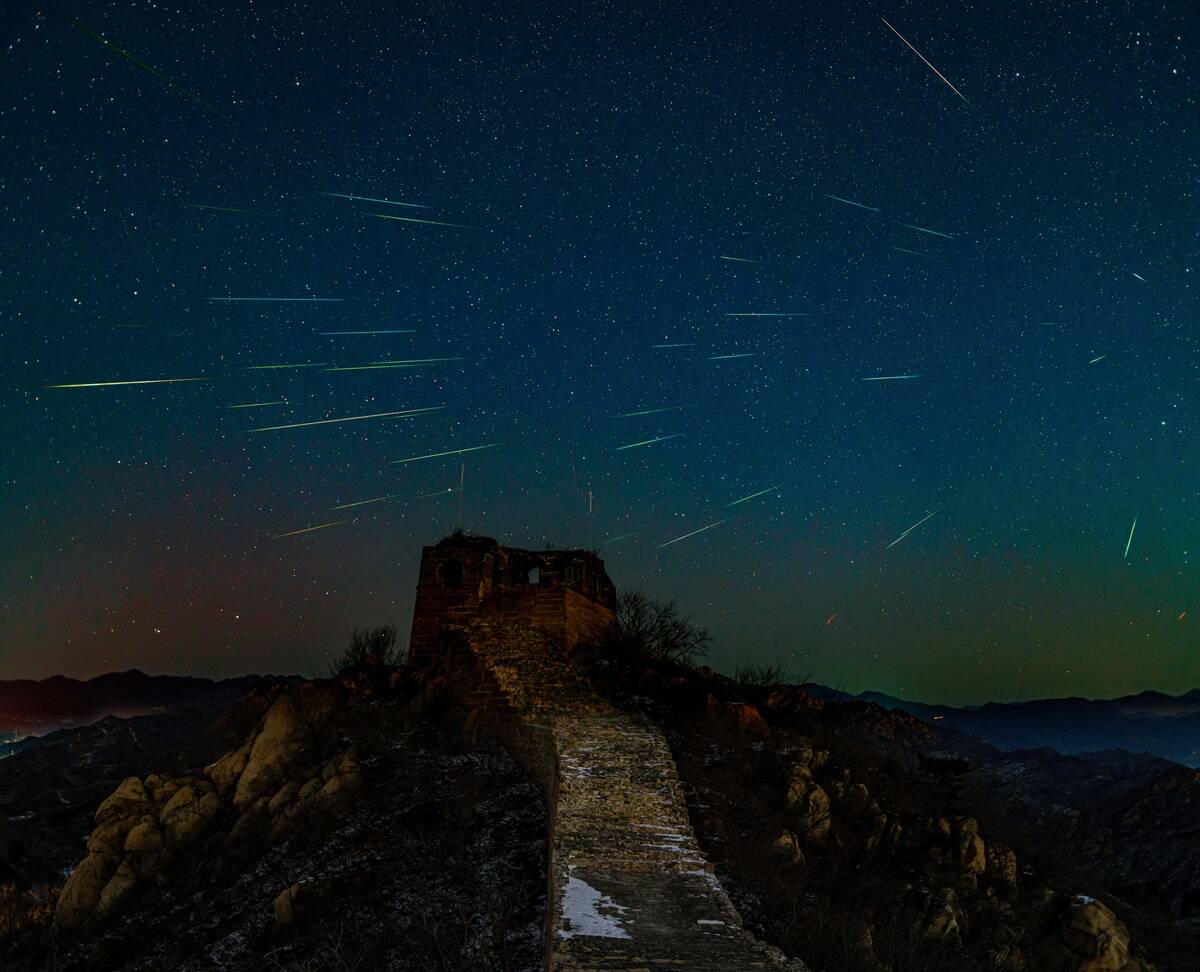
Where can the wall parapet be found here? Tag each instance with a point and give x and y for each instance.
(629, 888)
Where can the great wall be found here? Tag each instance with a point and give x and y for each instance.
(628, 887)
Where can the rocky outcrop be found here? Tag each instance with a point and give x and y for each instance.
(275, 783)
(743, 718)
(1093, 933)
(966, 897)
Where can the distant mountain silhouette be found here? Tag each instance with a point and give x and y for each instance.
(1148, 722)
(28, 706)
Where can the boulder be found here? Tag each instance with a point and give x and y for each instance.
(285, 797)
(310, 788)
(343, 781)
(878, 826)
(856, 799)
(297, 902)
(1090, 931)
(943, 917)
(129, 800)
(860, 944)
(972, 853)
(109, 837)
(809, 805)
(145, 848)
(188, 810)
(786, 848)
(226, 770)
(278, 744)
(118, 889)
(1001, 864)
(81, 893)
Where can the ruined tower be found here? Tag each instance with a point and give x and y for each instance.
(565, 593)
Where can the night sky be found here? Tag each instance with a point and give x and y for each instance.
(601, 164)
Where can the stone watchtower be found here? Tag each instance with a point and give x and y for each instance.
(565, 593)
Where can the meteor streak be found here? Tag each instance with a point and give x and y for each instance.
(909, 530)
(645, 442)
(927, 64)
(351, 418)
(321, 526)
(1101, 358)
(411, 363)
(623, 536)
(429, 222)
(110, 384)
(761, 492)
(219, 209)
(922, 229)
(1129, 542)
(400, 361)
(693, 533)
(654, 411)
(403, 330)
(381, 499)
(282, 300)
(913, 252)
(284, 367)
(451, 452)
(850, 202)
(682, 344)
(390, 202)
(146, 67)
(377, 499)
(1139, 276)
(740, 259)
(727, 357)
(281, 401)
(891, 377)
(766, 314)
(441, 492)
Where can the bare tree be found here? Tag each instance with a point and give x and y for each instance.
(370, 649)
(760, 676)
(655, 631)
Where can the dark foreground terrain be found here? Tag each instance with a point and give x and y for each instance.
(346, 824)
(431, 857)
(862, 839)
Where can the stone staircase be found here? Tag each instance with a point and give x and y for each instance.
(629, 888)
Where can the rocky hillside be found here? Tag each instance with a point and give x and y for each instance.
(38, 707)
(1149, 722)
(1130, 825)
(412, 852)
(846, 836)
(49, 790)
(349, 824)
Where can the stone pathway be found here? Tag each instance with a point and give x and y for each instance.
(629, 887)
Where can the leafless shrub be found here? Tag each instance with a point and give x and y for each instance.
(760, 676)
(369, 650)
(654, 631)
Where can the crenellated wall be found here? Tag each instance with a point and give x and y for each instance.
(563, 592)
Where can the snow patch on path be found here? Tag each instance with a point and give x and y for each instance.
(588, 912)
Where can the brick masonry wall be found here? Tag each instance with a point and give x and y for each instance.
(629, 888)
(463, 578)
